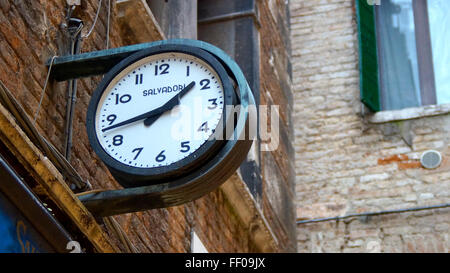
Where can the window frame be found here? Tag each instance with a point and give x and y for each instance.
(424, 54)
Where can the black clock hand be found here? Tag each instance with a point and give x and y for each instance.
(158, 111)
(137, 118)
(172, 103)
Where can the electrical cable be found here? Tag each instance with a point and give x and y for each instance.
(338, 218)
(26, 124)
(95, 20)
(115, 227)
(108, 24)
(43, 89)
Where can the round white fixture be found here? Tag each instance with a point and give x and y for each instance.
(431, 159)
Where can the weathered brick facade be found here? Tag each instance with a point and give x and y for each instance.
(346, 163)
(31, 32)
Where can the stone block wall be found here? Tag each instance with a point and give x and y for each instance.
(344, 163)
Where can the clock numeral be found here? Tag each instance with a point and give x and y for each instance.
(162, 69)
(214, 104)
(139, 78)
(111, 119)
(185, 147)
(187, 71)
(117, 140)
(138, 150)
(205, 84)
(122, 99)
(161, 157)
(203, 127)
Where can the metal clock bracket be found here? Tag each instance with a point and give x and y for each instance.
(187, 188)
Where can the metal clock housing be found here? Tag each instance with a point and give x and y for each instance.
(155, 82)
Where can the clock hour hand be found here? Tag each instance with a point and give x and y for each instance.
(170, 104)
(155, 112)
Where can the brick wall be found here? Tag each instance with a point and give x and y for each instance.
(275, 89)
(30, 33)
(344, 163)
(424, 232)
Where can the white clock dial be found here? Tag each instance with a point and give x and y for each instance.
(147, 85)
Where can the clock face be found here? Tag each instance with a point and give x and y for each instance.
(159, 113)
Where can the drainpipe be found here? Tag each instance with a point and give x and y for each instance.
(75, 26)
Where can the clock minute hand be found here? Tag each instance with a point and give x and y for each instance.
(159, 110)
(137, 118)
(170, 104)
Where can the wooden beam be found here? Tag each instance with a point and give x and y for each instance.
(51, 180)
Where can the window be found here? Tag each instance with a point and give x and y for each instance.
(404, 53)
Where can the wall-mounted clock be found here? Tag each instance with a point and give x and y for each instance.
(156, 116)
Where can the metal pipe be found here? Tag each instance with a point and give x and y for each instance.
(367, 214)
(67, 126)
(75, 35)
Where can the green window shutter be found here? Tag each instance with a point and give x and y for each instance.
(368, 60)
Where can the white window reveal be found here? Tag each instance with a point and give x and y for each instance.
(196, 244)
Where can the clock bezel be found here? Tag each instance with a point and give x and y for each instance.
(129, 176)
